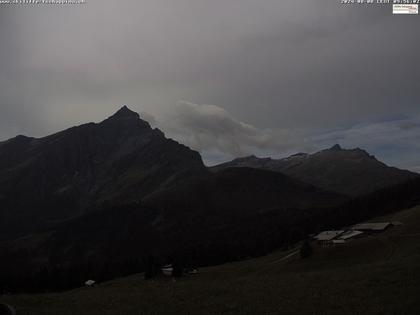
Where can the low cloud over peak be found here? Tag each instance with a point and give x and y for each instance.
(220, 136)
(214, 131)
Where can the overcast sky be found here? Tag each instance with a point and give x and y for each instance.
(226, 77)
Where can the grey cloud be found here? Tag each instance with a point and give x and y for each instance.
(213, 131)
(296, 68)
(395, 142)
(149, 118)
(220, 137)
(397, 132)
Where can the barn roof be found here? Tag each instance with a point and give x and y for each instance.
(372, 226)
(90, 282)
(350, 234)
(328, 235)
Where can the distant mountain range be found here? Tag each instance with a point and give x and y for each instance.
(120, 190)
(121, 160)
(349, 172)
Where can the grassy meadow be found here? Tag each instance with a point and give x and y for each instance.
(376, 274)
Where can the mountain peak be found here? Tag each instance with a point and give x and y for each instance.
(125, 113)
(336, 147)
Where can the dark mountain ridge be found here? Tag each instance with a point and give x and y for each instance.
(119, 191)
(212, 218)
(244, 190)
(351, 172)
(119, 160)
(115, 241)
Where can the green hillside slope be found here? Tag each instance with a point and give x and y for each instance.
(378, 274)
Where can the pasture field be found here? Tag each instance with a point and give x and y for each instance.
(376, 274)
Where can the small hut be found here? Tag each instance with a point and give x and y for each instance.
(351, 234)
(325, 238)
(372, 227)
(167, 270)
(90, 283)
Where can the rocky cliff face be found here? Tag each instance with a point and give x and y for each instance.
(122, 159)
(351, 172)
